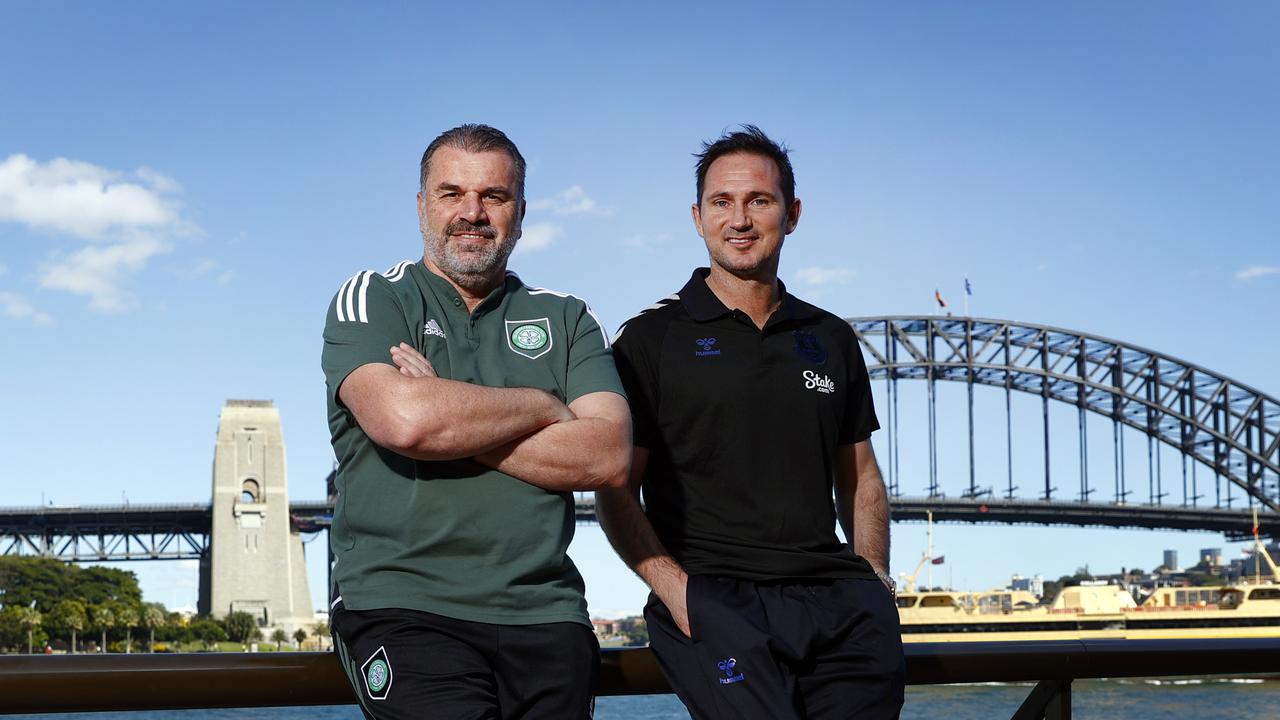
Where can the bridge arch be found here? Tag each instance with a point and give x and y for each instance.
(1224, 424)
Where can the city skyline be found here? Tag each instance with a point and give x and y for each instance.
(183, 189)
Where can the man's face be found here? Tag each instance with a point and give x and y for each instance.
(470, 214)
(743, 216)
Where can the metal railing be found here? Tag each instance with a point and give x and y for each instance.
(92, 683)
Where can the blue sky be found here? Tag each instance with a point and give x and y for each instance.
(184, 186)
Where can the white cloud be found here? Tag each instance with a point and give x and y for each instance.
(160, 183)
(1257, 271)
(16, 306)
(226, 277)
(538, 237)
(126, 219)
(645, 241)
(99, 271)
(573, 201)
(78, 198)
(824, 275)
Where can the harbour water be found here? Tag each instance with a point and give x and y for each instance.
(1199, 698)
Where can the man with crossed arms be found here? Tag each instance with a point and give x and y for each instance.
(464, 406)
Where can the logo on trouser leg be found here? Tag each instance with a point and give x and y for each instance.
(377, 675)
(730, 675)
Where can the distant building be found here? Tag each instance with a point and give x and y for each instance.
(1171, 560)
(1211, 556)
(1033, 585)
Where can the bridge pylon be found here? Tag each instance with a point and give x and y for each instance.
(255, 561)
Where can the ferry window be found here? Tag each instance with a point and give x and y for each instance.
(1182, 597)
(937, 601)
(906, 602)
(1265, 594)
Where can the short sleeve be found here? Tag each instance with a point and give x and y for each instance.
(591, 367)
(860, 412)
(365, 320)
(633, 354)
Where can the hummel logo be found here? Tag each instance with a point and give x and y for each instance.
(433, 328)
(822, 384)
(706, 344)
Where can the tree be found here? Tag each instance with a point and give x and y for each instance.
(70, 616)
(102, 618)
(207, 631)
(152, 617)
(320, 631)
(278, 636)
(98, 585)
(127, 616)
(241, 627)
(27, 580)
(29, 618)
(299, 636)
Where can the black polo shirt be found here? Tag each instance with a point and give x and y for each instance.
(742, 426)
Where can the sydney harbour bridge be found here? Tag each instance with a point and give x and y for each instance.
(1181, 447)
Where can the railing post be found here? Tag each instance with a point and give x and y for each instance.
(1050, 699)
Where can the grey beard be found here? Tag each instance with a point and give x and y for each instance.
(471, 270)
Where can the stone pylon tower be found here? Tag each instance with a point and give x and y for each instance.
(255, 562)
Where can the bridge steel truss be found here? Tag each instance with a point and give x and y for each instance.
(109, 532)
(1210, 419)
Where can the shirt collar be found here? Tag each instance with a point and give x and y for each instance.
(704, 306)
(447, 292)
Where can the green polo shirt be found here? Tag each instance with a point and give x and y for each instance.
(456, 538)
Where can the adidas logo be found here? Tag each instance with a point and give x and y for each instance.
(433, 328)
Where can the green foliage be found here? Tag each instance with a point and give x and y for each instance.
(69, 616)
(299, 637)
(27, 580)
(207, 631)
(278, 637)
(241, 627)
(45, 582)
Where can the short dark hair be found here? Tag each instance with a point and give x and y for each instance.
(475, 138)
(749, 139)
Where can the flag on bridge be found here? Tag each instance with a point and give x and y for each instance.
(939, 560)
(938, 296)
(968, 289)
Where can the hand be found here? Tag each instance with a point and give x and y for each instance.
(676, 597)
(411, 362)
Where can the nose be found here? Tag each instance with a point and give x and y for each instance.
(740, 219)
(472, 209)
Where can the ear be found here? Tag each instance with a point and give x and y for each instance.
(697, 219)
(519, 231)
(793, 216)
(422, 207)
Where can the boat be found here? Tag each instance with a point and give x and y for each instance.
(1094, 610)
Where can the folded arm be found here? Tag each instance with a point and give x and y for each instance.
(862, 503)
(430, 418)
(633, 538)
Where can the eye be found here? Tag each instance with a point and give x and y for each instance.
(720, 203)
(760, 202)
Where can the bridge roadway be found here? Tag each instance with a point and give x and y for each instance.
(174, 532)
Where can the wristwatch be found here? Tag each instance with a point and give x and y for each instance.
(888, 582)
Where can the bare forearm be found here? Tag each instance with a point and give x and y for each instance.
(633, 538)
(582, 454)
(871, 521)
(430, 418)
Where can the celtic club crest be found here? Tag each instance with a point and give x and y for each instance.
(377, 675)
(530, 338)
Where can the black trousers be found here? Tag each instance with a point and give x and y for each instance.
(812, 650)
(412, 664)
